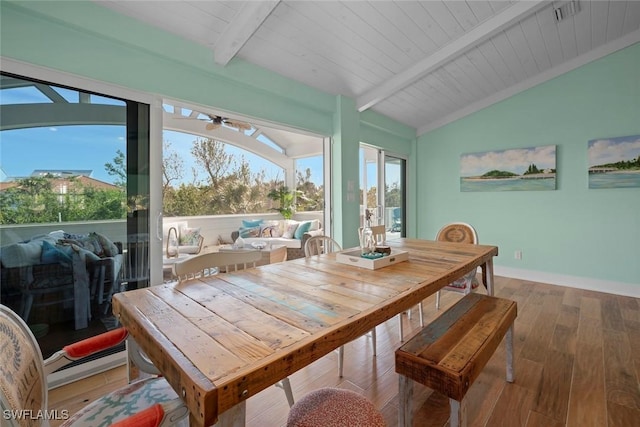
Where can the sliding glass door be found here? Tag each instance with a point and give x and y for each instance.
(394, 195)
(383, 189)
(74, 187)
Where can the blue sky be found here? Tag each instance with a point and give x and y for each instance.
(90, 147)
(63, 147)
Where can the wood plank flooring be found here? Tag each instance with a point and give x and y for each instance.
(577, 363)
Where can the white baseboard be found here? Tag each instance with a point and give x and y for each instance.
(84, 370)
(617, 288)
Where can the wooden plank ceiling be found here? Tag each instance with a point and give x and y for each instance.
(423, 63)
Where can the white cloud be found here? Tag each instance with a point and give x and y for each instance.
(602, 151)
(516, 160)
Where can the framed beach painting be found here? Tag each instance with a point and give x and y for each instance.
(614, 162)
(518, 169)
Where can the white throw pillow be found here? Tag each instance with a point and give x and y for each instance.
(290, 229)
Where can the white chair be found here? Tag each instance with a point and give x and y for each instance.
(23, 383)
(380, 235)
(318, 245)
(459, 232)
(213, 263)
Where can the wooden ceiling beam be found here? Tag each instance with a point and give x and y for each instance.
(250, 17)
(449, 52)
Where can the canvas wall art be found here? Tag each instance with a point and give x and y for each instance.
(614, 162)
(518, 169)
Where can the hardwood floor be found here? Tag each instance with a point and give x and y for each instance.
(577, 363)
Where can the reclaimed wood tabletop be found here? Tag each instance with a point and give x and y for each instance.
(222, 339)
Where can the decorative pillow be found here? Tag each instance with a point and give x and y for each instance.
(109, 248)
(302, 228)
(91, 243)
(73, 236)
(189, 236)
(315, 225)
(85, 255)
(271, 229)
(250, 223)
(249, 232)
(53, 255)
(290, 229)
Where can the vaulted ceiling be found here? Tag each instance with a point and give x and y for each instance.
(423, 63)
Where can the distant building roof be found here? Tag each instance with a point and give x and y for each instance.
(62, 173)
(61, 182)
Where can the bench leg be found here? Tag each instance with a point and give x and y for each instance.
(509, 345)
(458, 413)
(489, 278)
(405, 402)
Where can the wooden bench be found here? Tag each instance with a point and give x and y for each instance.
(449, 354)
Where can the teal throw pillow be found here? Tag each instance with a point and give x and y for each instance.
(53, 255)
(250, 223)
(302, 228)
(249, 232)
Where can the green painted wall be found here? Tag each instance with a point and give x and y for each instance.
(572, 231)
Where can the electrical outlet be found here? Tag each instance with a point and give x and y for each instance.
(518, 254)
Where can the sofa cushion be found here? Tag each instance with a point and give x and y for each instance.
(22, 254)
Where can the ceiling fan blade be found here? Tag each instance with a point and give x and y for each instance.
(238, 125)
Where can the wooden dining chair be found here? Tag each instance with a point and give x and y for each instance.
(459, 232)
(213, 263)
(317, 245)
(23, 383)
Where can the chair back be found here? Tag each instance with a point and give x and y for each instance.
(379, 233)
(208, 264)
(317, 245)
(458, 232)
(22, 377)
(135, 261)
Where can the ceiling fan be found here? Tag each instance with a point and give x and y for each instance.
(217, 121)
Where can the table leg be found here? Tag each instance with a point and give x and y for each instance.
(234, 417)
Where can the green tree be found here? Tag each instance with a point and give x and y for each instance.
(118, 169)
(286, 200)
(172, 167)
(311, 197)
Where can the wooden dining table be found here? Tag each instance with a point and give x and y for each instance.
(221, 339)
